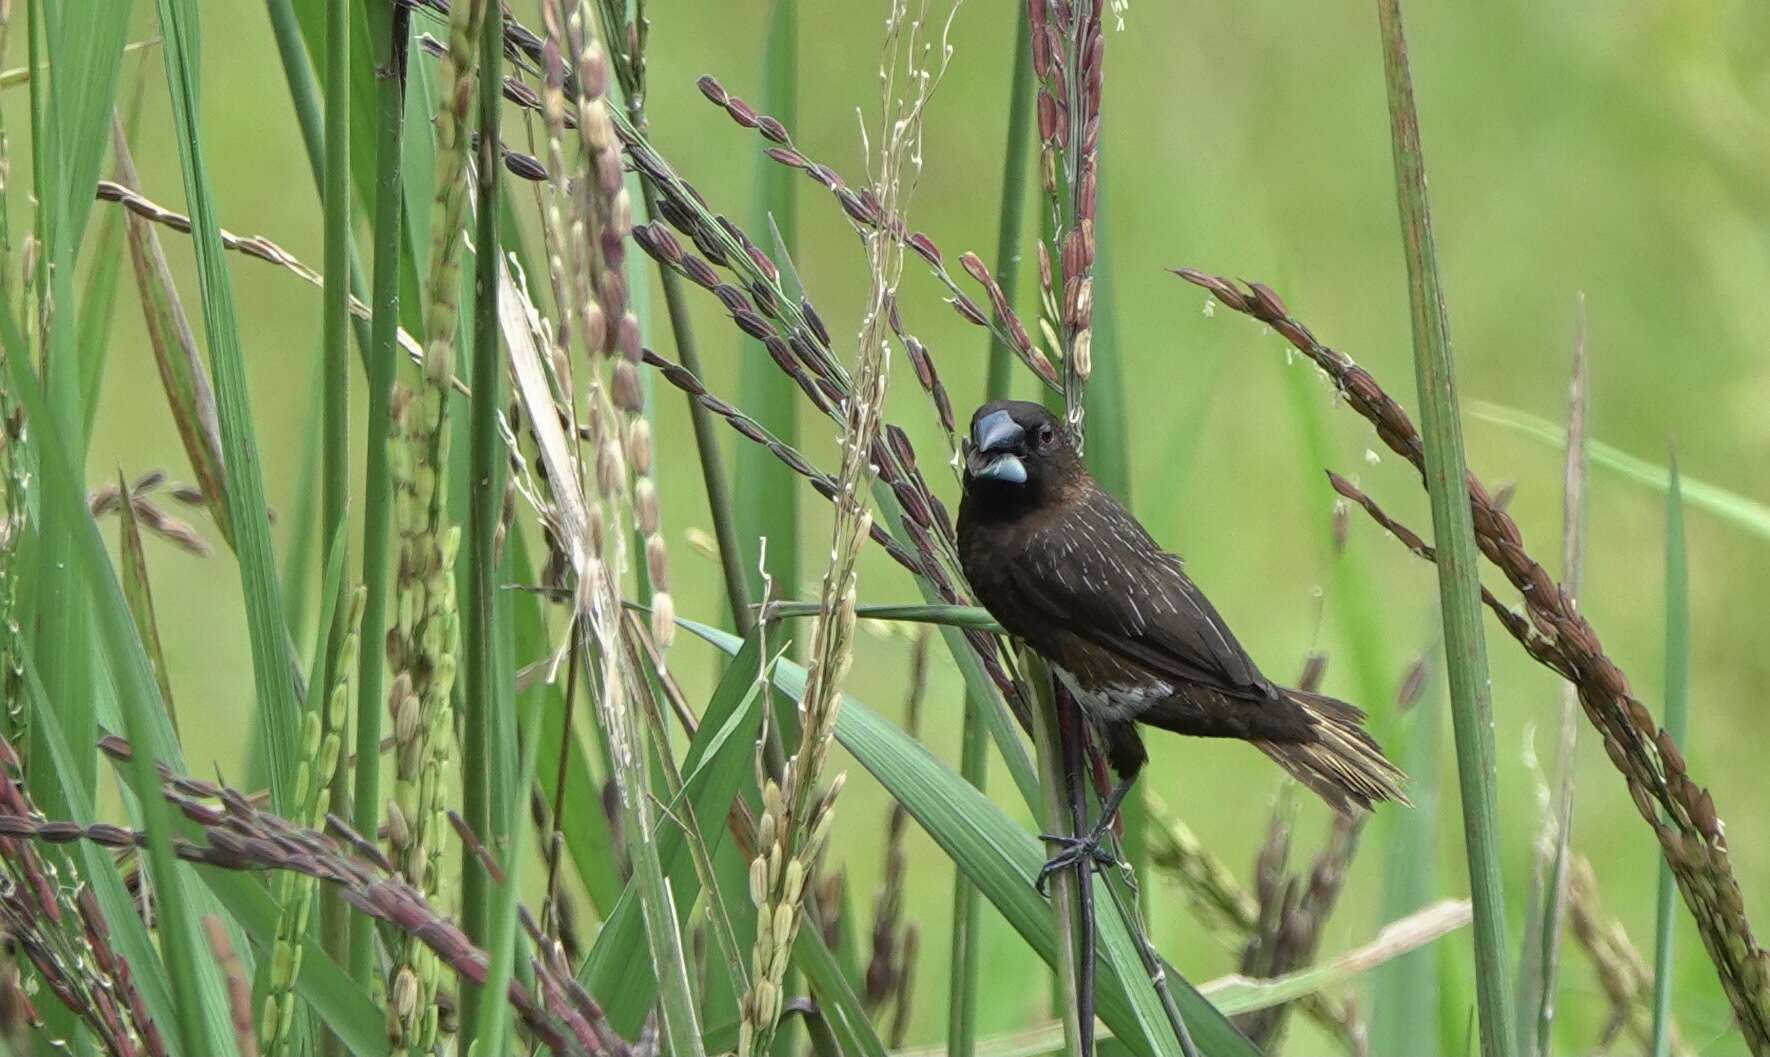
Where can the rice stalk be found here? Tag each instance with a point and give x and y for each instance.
(255, 246)
(422, 652)
(1622, 972)
(389, 30)
(1068, 52)
(591, 497)
(1680, 812)
(322, 743)
(239, 988)
(796, 820)
(233, 834)
(56, 926)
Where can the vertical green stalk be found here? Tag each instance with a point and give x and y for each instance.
(388, 30)
(483, 696)
(767, 506)
(65, 674)
(1015, 161)
(1052, 782)
(1676, 718)
(1453, 530)
(287, 32)
(335, 409)
(961, 1039)
(335, 196)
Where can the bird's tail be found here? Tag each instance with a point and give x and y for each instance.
(1342, 763)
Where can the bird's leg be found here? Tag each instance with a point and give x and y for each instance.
(1076, 849)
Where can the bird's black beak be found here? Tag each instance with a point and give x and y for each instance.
(996, 443)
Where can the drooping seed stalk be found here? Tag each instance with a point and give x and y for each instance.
(422, 649)
(322, 739)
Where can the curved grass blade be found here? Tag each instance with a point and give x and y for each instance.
(1002, 860)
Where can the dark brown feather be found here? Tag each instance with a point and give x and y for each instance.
(1061, 564)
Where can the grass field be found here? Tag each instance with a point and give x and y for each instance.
(1578, 154)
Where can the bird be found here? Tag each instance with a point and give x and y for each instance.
(1064, 567)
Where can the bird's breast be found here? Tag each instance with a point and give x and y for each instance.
(1113, 701)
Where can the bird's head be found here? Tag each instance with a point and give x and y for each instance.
(1019, 454)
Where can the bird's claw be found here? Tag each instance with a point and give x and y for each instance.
(1074, 850)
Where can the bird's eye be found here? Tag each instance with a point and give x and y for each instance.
(1046, 435)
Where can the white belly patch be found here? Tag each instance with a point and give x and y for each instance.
(1112, 703)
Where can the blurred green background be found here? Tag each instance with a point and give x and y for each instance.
(1622, 151)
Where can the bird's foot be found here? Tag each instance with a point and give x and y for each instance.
(1073, 850)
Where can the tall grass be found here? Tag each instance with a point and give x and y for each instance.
(670, 866)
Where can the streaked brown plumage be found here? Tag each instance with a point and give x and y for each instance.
(1062, 565)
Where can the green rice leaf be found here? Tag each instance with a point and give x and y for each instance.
(1453, 529)
(1002, 860)
(1731, 507)
(246, 505)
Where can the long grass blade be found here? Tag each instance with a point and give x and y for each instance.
(1453, 528)
(389, 30)
(1731, 507)
(485, 699)
(246, 505)
(1676, 719)
(1002, 860)
(198, 1000)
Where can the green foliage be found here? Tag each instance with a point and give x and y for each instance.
(655, 884)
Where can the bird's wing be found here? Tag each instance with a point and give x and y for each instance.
(1096, 574)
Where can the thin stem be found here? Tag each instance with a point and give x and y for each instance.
(1676, 719)
(1453, 528)
(482, 694)
(303, 95)
(974, 752)
(1012, 213)
(389, 28)
(1047, 737)
(1073, 741)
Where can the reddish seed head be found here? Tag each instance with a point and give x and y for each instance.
(699, 271)
(1267, 301)
(771, 129)
(925, 248)
(740, 112)
(974, 265)
(712, 89)
(968, 308)
(787, 156)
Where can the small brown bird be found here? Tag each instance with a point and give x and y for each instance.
(1060, 564)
